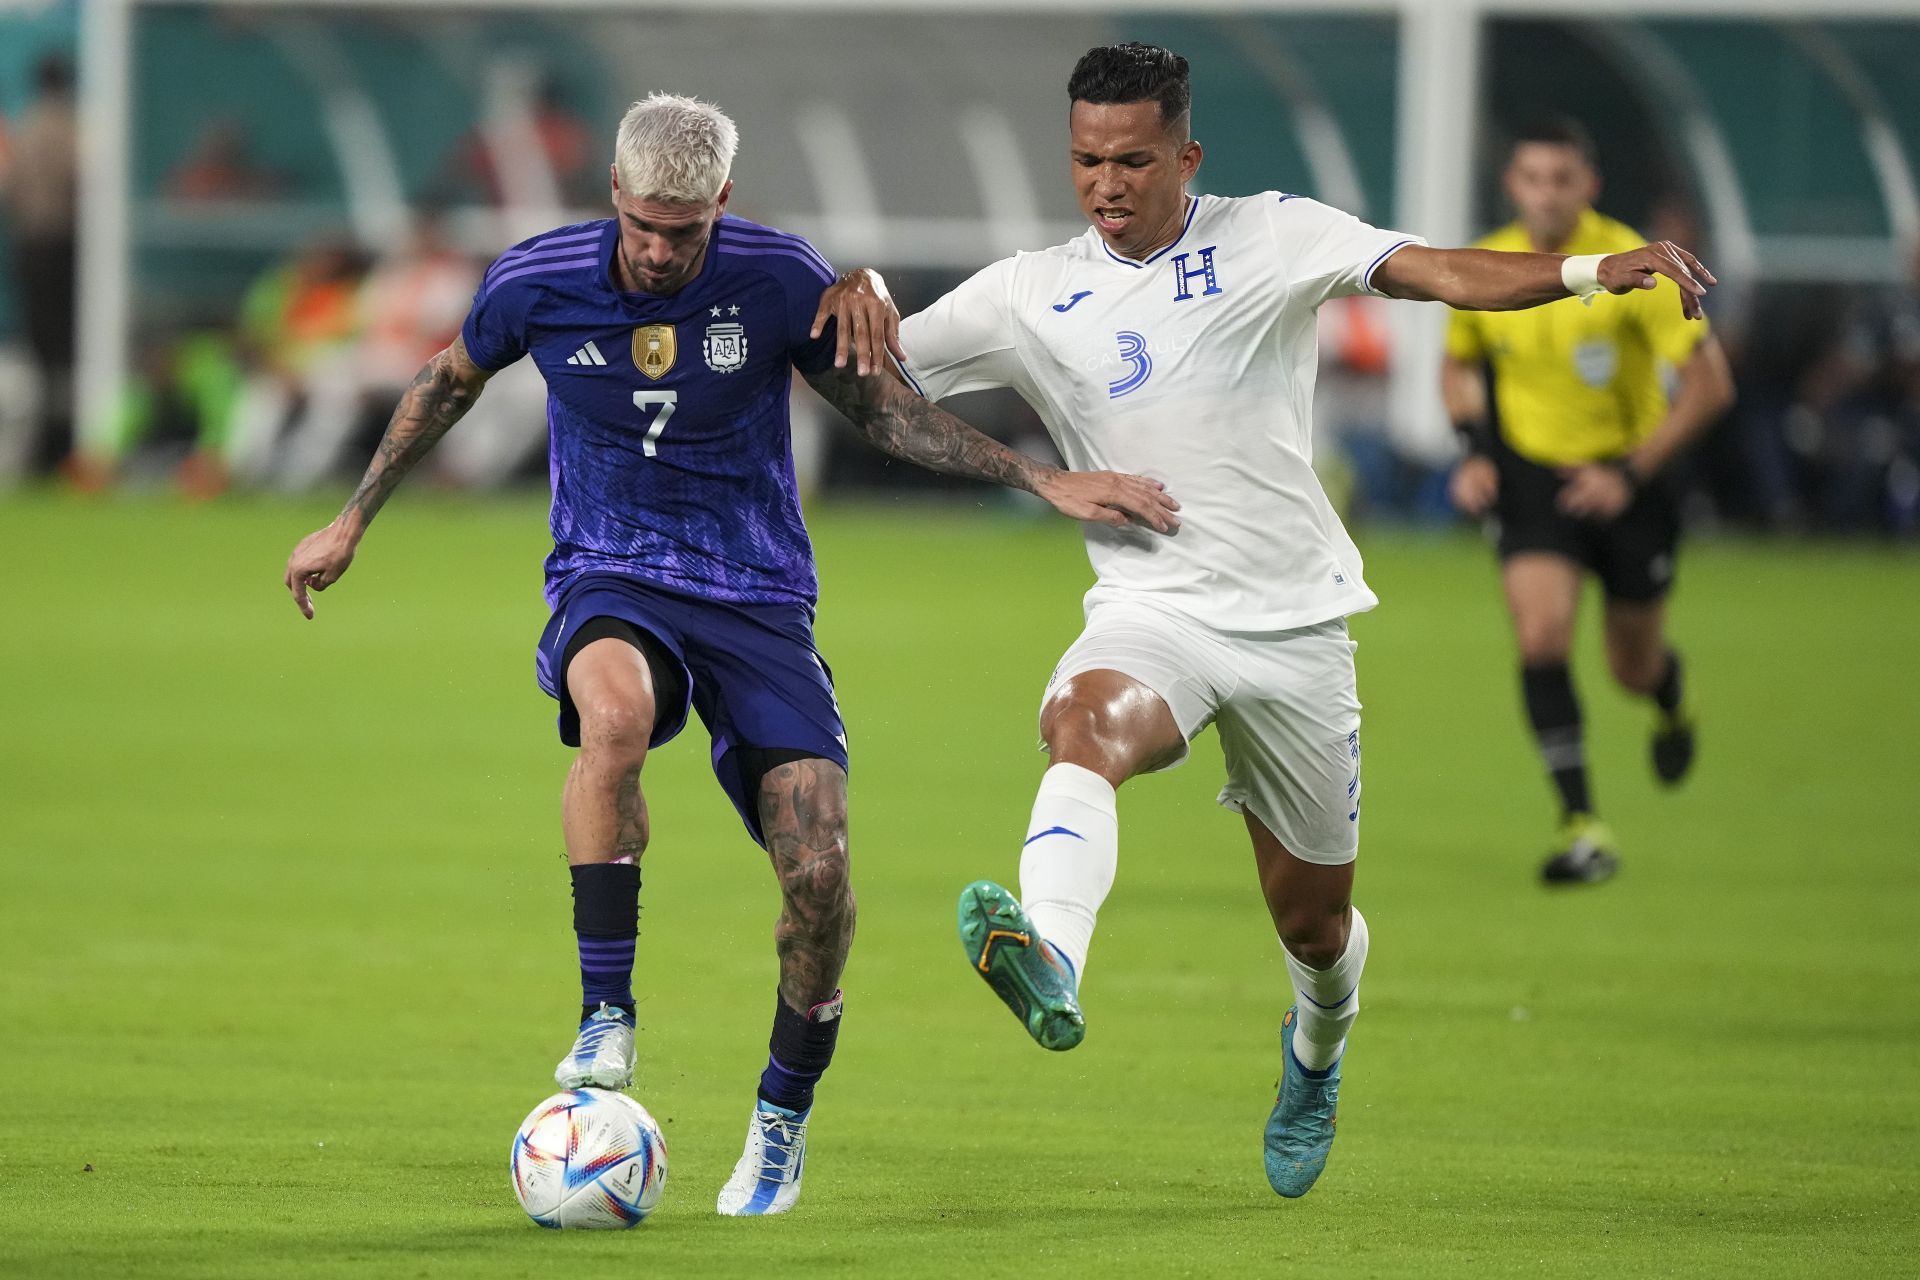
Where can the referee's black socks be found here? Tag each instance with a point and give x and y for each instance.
(1554, 712)
(1666, 694)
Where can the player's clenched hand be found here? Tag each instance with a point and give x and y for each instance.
(1594, 492)
(1475, 484)
(318, 562)
(1640, 269)
(1111, 497)
(869, 323)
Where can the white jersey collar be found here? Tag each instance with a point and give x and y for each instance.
(1193, 207)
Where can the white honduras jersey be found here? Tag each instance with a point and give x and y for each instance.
(1194, 368)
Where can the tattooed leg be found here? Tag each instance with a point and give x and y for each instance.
(803, 814)
(803, 817)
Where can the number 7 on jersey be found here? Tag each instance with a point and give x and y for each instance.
(663, 402)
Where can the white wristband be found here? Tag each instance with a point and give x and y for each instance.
(1581, 275)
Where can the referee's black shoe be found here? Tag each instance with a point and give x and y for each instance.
(1585, 854)
(1672, 747)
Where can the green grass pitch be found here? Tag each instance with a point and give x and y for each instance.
(285, 955)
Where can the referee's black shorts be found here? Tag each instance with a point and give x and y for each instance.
(1632, 554)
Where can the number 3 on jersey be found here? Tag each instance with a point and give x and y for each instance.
(662, 402)
(1133, 349)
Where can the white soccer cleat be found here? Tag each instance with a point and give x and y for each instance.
(767, 1179)
(602, 1058)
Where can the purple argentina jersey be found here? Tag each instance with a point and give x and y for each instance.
(667, 416)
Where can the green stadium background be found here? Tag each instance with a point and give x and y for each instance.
(283, 935)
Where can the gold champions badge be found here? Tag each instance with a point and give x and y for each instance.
(654, 349)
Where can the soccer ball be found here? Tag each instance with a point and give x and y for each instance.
(589, 1158)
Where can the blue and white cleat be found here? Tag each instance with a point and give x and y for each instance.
(1300, 1130)
(767, 1179)
(602, 1058)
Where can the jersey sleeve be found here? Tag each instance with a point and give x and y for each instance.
(495, 332)
(804, 276)
(1328, 253)
(964, 342)
(1464, 339)
(1672, 336)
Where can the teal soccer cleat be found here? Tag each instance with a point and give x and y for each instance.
(1023, 969)
(1300, 1130)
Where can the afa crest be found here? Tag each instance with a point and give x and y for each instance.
(654, 349)
(725, 347)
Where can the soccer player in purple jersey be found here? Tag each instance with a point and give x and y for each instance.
(681, 575)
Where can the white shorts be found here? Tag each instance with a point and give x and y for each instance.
(1285, 703)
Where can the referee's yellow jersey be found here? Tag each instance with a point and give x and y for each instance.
(1576, 383)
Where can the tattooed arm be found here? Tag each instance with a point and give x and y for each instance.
(896, 421)
(441, 393)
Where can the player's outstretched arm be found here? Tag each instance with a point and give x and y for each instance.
(900, 423)
(1492, 280)
(441, 393)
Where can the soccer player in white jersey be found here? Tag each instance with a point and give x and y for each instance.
(1176, 339)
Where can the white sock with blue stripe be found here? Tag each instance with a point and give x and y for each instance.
(1068, 860)
(1329, 1000)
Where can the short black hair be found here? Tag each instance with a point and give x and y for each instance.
(1557, 131)
(1133, 73)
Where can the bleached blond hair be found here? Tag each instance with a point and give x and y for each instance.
(674, 150)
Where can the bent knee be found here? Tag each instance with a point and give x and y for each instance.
(1316, 938)
(1543, 644)
(818, 874)
(1636, 668)
(1069, 720)
(1116, 742)
(618, 729)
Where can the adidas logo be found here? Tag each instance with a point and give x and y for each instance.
(588, 354)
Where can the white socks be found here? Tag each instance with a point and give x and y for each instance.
(1328, 1000)
(1067, 863)
(1066, 871)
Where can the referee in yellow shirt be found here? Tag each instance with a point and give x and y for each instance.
(1572, 465)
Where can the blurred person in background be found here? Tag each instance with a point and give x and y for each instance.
(1903, 475)
(1824, 439)
(299, 322)
(1864, 462)
(1571, 460)
(171, 416)
(38, 195)
(408, 308)
(219, 166)
(566, 142)
(1793, 372)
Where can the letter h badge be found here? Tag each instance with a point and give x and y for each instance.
(1181, 275)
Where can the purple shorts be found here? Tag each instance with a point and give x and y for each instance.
(752, 672)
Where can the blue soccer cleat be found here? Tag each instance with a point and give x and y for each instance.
(767, 1178)
(1300, 1130)
(602, 1057)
